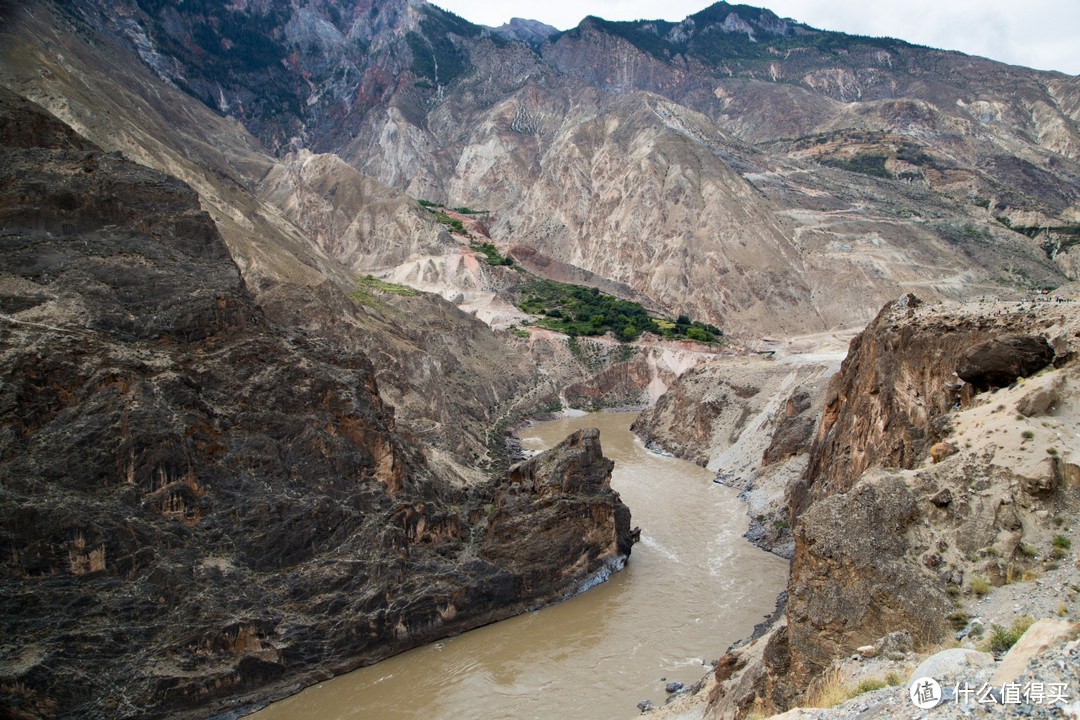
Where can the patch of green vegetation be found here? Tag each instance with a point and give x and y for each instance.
(578, 310)
(626, 352)
(468, 211)
(436, 55)
(1061, 541)
(868, 685)
(430, 203)
(369, 287)
(979, 585)
(492, 254)
(454, 224)
(1001, 639)
(551, 406)
(958, 619)
(914, 154)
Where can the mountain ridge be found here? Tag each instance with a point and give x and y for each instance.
(443, 109)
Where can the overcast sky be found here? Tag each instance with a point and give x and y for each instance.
(1043, 34)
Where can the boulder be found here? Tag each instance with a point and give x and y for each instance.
(1040, 636)
(951, 662)
(1000, 361)
(940, 451)
(1042, 401)
(942, 498)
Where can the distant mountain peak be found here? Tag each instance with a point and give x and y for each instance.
(531, 32)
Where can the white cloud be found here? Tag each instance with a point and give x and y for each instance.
(1044, 34)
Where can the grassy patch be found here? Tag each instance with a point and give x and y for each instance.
(369, 287)
(829, 690)
(979, 585)
(868, 685)
(578, 310)
(958, 619)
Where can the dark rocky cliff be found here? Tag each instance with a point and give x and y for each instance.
(206, 507)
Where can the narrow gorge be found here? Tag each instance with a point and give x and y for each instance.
(287, 285)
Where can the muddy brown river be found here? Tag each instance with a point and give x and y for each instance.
(692, 586)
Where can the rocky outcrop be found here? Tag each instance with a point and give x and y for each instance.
(356, 220)
(208, 507)
(794, 430)
(852, 580)
(556, 516)
(1004, 360)
(891, 399)
(887, 548)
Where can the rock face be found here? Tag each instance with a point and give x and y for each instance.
(557, 516)
(851, 580)
(889, 403)
(1001, 361)
(201, 503)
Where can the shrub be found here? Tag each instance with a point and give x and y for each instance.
(958, 619)
(979, 585)
(1001, 639)
(696, 333)
(868, 685)
(829, 690)
(1027, 435)
(1061, 541)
